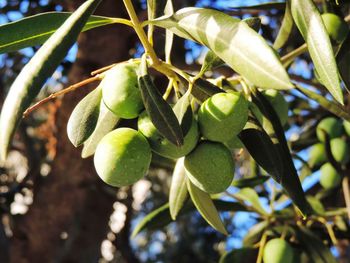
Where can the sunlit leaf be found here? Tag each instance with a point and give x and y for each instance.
(249, 195)
(233, 41)
(35, 30)
(82, 122)
(29, 82)
(286, 28)
(310, 24)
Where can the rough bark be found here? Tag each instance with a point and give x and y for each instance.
(69, 216)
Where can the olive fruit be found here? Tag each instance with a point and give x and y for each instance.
(210, 167)
(336, 27)
(234, 143)
(329, 177)
(122, 157)
(279, 104)
(346, 125)
(332, 126)
(317, 155)
(223, 116)
(163, 146)
(278, 251)
(120, 91)
(340, 150)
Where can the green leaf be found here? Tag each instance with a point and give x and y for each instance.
(161, 217)
(203, 89)
(255, 233)
(178, 189)
(183, 112)
(332, 107)
(241, 255)
(265, 6)
(82, 122)
(35, 30)
(233, 41)
(314, 246)
(206, 207)
(29, 82)
(253, 22)
(105, 123)
(249, 195)
(286, 28)
(211, 61)
(250, 182)
(289, 177)
(310, 24)
(316, 205)
(155, 8)
(159, 111)
(169, 36)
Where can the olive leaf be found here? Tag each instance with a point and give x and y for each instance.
(178, 189)
(240, 255)
(29, 82)
(161, 217)
(82, 122)
(330, 106)
(159, 111)
(314, 246)
(286, 28)
(264, 6)
(289, 177)
(253, 22)
(203, 89)
(254, 234)
(105, 123)
(183, 112)
(206, 207)
(250, 182)
(310, 24)
(233, 41)
(249, 195)
(35, 30)
(169, 36)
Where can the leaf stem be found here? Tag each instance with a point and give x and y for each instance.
(287, 59)
(261, 248)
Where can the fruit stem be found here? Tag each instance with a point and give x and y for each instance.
(261, 247)
(61, 92)
(286, 59)
(156, 63)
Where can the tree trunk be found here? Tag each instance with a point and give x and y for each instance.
(69, 217)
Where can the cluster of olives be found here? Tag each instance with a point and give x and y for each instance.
(336, 131)
(123, 156)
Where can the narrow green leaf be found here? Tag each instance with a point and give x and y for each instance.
(161, 217)
(211, 61)
(286, 28)
(178, 189)
(159, 111)
(250, 196)
(343, 60)
(29, 82)
(254, 234)
(314, 246)
(253, 22)
(316, 205)
(82, 122)
(105, 123)
(250, 182)
(289, 178)
(206, 207)
(203, 89)
(169, 36)
(241, 255)
(183, 112)
(35, 30)
(332, 107)
(233, 41)
(155, 8)
(263, 150)
(310, 24)
(264, 6)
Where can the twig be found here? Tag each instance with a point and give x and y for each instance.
(61, 92)
(346, 191)
(98, 71)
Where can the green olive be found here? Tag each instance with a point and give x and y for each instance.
(120, 91)
(332, 126)
(278, 251)
(210, 167)
(161, 145)
(336, 27)
(346, 125)
(317, 155)
(223, 116)
(340, 150)
(329, 177)
(122, 157)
